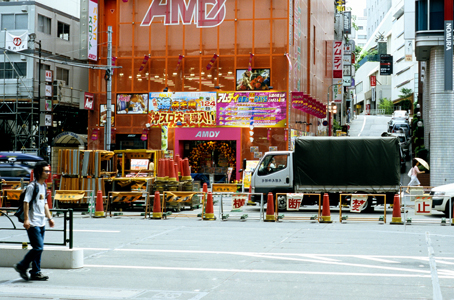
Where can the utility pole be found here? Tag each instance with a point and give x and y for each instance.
(108, 126)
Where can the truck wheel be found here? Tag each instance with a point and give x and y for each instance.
(368, 208)
(282, 203)
(447, 210)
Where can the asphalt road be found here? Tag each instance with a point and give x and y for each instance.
(129, 257)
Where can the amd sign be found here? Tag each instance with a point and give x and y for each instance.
(204, 13)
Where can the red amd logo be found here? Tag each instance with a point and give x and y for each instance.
(204, 13)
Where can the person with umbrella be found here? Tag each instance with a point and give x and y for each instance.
(414, 173)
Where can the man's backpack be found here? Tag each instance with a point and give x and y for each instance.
(20, 211)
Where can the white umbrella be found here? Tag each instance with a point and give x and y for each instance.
(423, 162)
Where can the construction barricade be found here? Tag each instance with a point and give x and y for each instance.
(357, 203)
(178, 201)
(293, 203)
(238, 206)
(423, 207)
(73, 197)
(119, 200)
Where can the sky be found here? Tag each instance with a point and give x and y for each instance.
(357, 6)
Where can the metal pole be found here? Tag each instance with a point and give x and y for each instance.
(108, 126)
(39, 98)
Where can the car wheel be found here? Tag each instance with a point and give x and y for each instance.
(447, 206)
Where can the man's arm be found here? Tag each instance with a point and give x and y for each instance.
(49, 215)
(26, 219)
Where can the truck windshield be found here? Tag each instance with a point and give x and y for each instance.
(272, 163)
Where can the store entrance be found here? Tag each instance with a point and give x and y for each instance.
(211, 159)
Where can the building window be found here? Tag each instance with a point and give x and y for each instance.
(44, 24)
(62, 74)
(360, 27)
(63, 31)
(362, 37)
(8, 72)
(14, 21)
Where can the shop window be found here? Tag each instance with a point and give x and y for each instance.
(44, 24)
(63, 31)
(8, 72)
(62, 74)
(14, 21)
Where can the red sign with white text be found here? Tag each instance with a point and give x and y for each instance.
(88, 101)
(373, 80)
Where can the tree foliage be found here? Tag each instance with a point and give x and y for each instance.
(387, 105)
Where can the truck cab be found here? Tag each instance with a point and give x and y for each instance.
(274, 173)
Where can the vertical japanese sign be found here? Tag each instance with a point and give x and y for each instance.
(347, 22)
(337, 59)
(448, 11)
(423, 205)
(294, 201)
(93, 30)
(373, 80)
(357, 203)
(238, 201)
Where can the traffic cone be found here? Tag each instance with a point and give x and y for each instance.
(209, 210)
(49, 199)
(326, 214)
(270, 217)
(157, 212)
(397, 219)
(176, 171)
(99, 212)
(172, 176)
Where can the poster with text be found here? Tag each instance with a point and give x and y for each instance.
(259, 109)
(103, 114)
(182, 109)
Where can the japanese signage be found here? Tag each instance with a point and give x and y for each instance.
(347, 81)
(247, 173)
(243, 109)
(16, 43)
(337, 90)
(132, 103)
(294, 201)
(373, 80)
(48, 75)
(408, 50)
(48, 90)
(337, 59)
(386, 64)
(46, 105)
(347, 22)
(423, 205)
(238, 201)
(139, 164)
(204, 13)
(254, 79)
(93, 30)
(308, 104)
(182, 109)
(357, 203)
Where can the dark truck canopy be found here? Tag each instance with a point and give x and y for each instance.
(347, 161)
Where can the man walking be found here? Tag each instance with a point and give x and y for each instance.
(35, 213)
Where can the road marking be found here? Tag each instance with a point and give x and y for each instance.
(265, 271)
(362, 128)
(107, 231)
(433, 270)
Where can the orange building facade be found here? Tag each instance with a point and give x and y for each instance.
(212, 80)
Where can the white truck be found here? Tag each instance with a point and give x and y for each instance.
(333, 165)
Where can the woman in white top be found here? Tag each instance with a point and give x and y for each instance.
(414, 176)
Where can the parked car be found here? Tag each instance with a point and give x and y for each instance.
(440, 200)
(17, 166)
(400, 114)
(404, 127)
(403, 142)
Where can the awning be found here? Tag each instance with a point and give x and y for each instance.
(69, 138)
